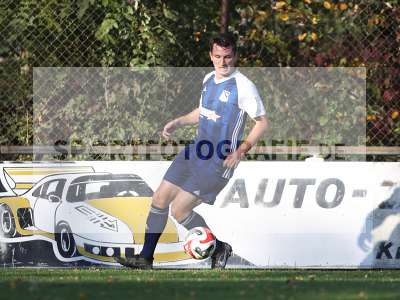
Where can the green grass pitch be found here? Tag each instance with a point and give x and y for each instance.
(116, 284)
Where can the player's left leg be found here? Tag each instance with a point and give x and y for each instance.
(182, 210)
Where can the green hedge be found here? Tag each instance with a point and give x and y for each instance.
(89, 33)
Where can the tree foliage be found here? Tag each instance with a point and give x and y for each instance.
(133, 33)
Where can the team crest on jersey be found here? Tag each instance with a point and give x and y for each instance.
(224, 96)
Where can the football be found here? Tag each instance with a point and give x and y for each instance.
(200, 243)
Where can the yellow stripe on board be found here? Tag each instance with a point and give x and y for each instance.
(44, 233)
(45, 171)
(23, 185)
(171, 256)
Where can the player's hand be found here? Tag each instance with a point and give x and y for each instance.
(168, 129)
(233, 159)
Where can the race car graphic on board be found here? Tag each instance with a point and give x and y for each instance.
(87, 216)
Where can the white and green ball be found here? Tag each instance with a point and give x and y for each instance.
(200, 243)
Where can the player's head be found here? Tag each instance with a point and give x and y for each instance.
(223, 54)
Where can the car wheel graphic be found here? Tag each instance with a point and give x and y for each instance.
(7, 222)
(65, 241)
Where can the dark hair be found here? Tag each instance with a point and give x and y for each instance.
(225, 40)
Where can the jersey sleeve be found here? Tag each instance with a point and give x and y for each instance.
(249, 99)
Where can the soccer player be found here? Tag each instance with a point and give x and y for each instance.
(203, 168)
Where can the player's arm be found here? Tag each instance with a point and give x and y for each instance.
(191, 118)
(256, 132)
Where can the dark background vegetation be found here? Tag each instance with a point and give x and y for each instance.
(133, 33)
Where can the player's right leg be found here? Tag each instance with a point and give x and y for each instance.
(175, 176)
(158, 217)
(155, 224)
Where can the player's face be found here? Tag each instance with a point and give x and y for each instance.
(224, 60)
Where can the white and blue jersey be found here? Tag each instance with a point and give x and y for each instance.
(224, 104)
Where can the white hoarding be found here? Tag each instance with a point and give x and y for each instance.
(274, 214)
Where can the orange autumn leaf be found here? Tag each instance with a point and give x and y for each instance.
(314, 36)
(301, 37)
(327, 5)
(284, 17)
(314, 20)
(280, 4)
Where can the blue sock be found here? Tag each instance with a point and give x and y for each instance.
(193, 220)
(156, 221)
